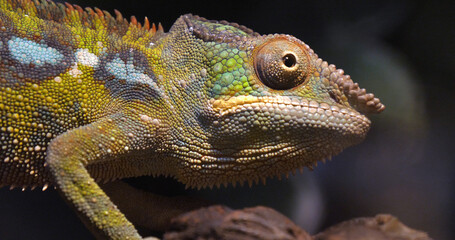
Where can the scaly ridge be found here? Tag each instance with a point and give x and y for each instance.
(357, 97)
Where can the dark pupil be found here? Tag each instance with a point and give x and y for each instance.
(289, 60)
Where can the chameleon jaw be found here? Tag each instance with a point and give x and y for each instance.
(287, 159)
(271, 152)
(301, 111)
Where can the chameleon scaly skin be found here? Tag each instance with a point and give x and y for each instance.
(87, 97)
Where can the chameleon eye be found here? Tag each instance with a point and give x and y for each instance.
(281, 64)
(289, 60)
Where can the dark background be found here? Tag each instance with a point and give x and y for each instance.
(403, 51)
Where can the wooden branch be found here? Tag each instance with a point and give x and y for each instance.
(220, 222)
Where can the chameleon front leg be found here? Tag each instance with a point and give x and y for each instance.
(103, 141)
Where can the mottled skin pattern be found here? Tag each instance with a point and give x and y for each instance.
(87, 97)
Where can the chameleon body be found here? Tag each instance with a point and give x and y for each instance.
(88, 97)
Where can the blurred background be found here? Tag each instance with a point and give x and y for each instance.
(403, 51)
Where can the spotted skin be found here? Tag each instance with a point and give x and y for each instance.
(88, 97)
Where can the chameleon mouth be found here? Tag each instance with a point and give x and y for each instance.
(289, 134)
(298, 111)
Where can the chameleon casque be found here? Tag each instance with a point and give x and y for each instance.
(88, 97)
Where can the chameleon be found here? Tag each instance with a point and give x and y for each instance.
(88, 97)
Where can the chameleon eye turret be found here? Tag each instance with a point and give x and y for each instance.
(282, 64)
